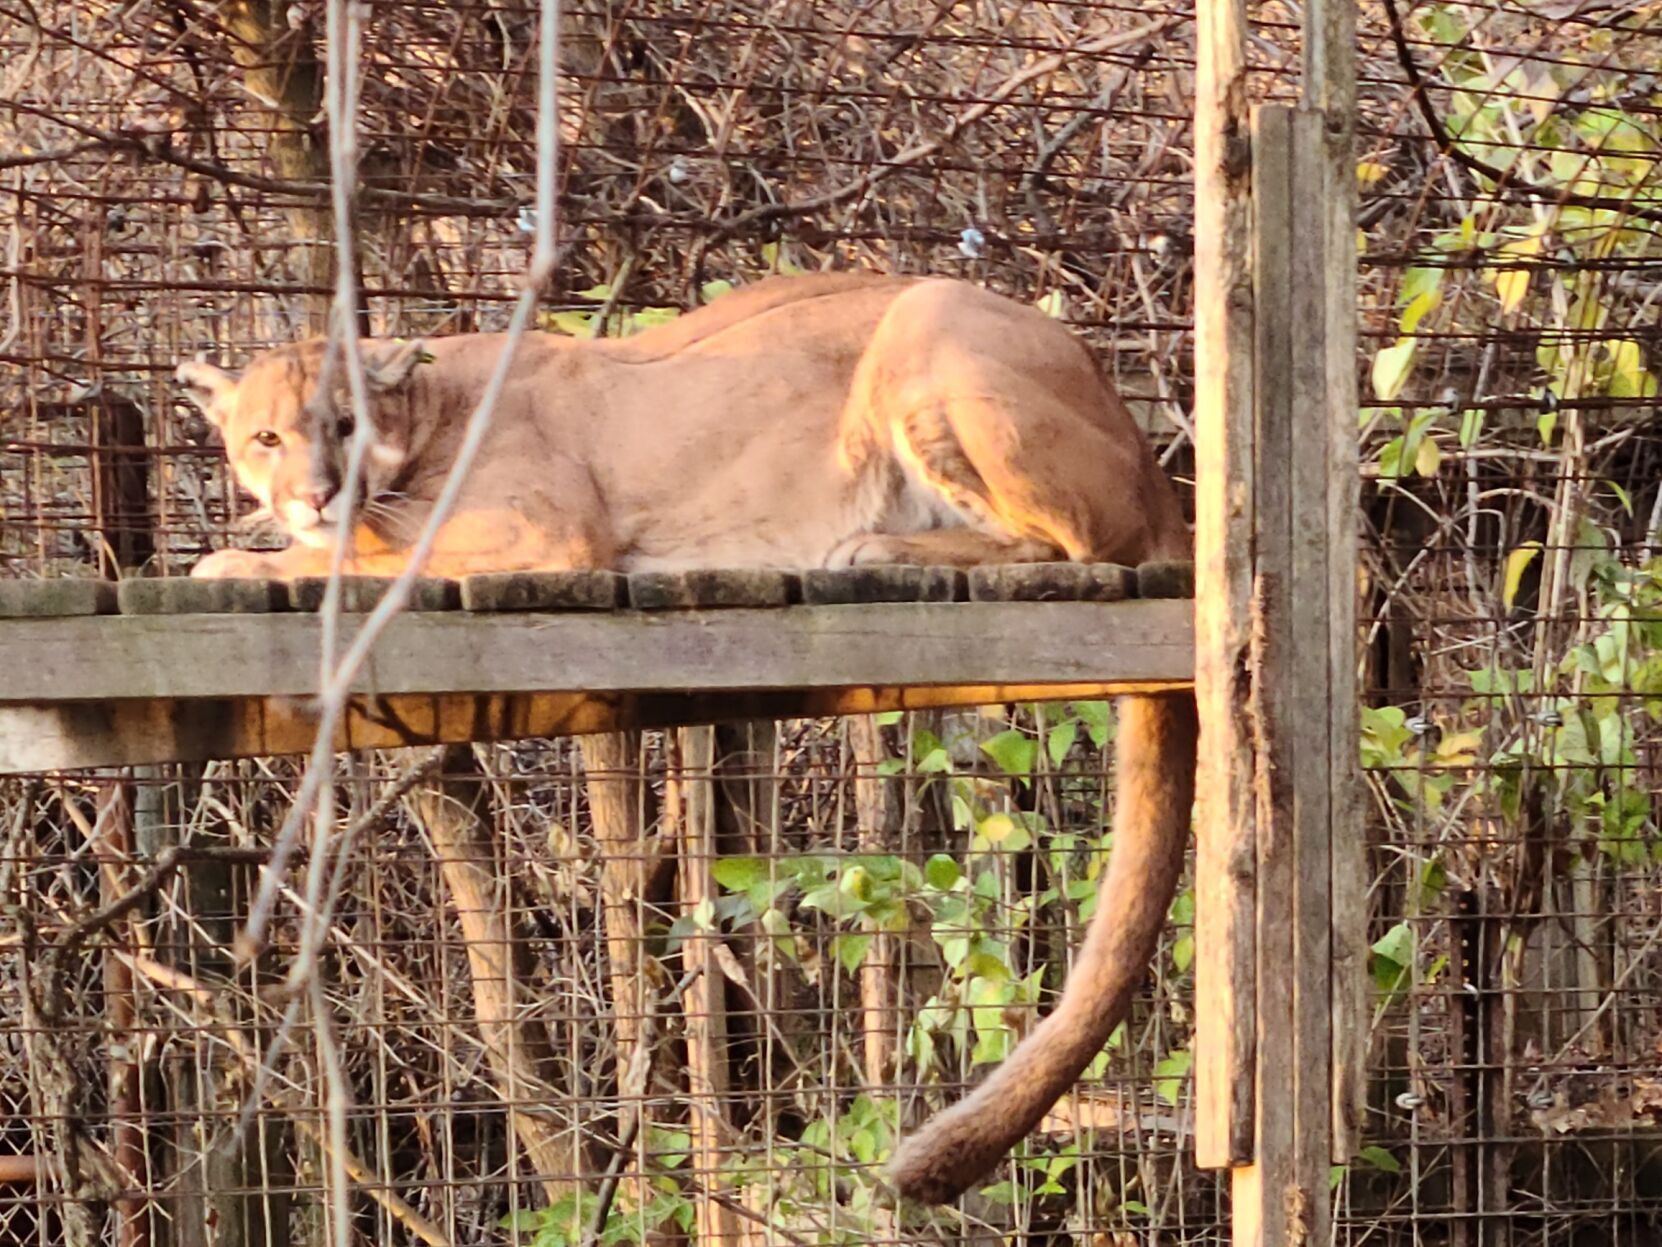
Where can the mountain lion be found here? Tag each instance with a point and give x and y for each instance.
(801, 422)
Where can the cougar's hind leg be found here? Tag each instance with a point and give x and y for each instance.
(1046, 472)
(987, 461)
(940, 547)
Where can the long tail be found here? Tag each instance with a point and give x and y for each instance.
(1155, 761)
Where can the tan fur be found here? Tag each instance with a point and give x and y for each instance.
(800, 422)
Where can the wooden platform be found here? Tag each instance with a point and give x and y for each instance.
(178, 670)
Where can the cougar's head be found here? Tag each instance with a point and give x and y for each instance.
(287, 424)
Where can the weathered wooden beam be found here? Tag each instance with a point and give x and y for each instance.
(1301, 673)
(1306, 671)
(57, 736)
(1225, 961)
(1267, 1196)
(1330, 86)
(809, 647)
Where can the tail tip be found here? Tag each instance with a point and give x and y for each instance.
(919, 1174)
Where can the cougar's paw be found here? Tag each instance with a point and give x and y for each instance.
(234, 565)
(863, 548)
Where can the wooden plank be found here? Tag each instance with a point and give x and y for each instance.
(1225, 966)
(1052, 582)
(1166, 579)
(712, 590)
(178, 596)
(1263, 1191)
(883, 582)
(361, 594)
(543, 591)
(1306, 674)
(71, 735)
(1330, 73)
(1146, 643)
(55, 599)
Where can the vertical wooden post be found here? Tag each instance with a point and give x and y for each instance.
(1330, 75)
(1279, 930)
(1225, 963)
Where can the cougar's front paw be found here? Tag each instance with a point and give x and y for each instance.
(864, 548)
(235, 565)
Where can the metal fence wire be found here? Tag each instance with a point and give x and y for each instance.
(702, 993)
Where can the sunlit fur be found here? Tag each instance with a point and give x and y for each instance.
(800, 422)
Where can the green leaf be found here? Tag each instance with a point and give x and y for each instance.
(598, 293)
(1517, 563)
(1418, 309)
(1419, 282)
(712, 290)
(1393, 954)
(1097, 718)
(1183, 952)
(1628, 378)
(1429, 458)
(1391, 368)
(576, 324)
(1379, 1158)
(649, 316)
(1013, 751)
(850, 949)
(1003, 1193)
(1169, 1074)
(740, 874)
(1471, 426)
(1059, 740)
(1003, 830)
(667, 1147)
(1051, 304)
(935, 762)
(941, 872)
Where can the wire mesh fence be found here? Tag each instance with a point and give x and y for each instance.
(701, 994)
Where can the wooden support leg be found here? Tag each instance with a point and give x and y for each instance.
(877, 814)
(516, 1047)
(691, 808)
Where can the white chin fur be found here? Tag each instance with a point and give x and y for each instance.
(316, 536)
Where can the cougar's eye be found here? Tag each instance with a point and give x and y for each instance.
(344, 427)
(268, 437)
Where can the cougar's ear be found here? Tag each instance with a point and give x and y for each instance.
(208, 387)
(387, 365)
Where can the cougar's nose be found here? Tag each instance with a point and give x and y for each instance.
(316, 499)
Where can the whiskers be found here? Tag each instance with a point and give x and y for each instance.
(393, 521)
